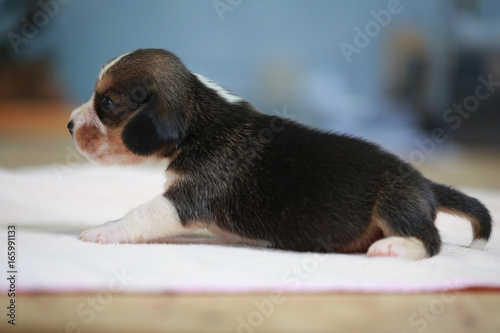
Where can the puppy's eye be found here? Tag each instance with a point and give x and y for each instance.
(109, 104)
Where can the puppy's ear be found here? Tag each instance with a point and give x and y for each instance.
(153, 127)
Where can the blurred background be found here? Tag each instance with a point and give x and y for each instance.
(421, 78)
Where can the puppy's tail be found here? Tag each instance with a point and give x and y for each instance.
(457, 203)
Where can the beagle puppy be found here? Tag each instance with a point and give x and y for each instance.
(252, 178)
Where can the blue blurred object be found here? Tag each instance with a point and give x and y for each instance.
(333, 64)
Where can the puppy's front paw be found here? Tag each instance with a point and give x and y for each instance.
(109, 233)
(399, 247)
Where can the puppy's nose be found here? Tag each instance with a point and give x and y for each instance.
(70, 127)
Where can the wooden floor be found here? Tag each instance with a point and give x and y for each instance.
(455, 312)
(35, 134)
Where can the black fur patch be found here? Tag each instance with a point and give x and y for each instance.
(153, 128)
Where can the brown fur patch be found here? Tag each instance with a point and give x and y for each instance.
(88, 138)
(104, 84)
(376, 230)
(363, 242)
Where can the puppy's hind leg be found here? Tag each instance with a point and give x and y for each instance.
(406, 216)
(154, 220)
(401, 247)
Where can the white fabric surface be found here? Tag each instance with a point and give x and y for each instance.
(45, 202)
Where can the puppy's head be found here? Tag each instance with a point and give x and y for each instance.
(138, 109)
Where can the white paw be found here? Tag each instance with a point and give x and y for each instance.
(399, 247)
(109, 233)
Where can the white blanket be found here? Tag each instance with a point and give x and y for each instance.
(49, 206)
